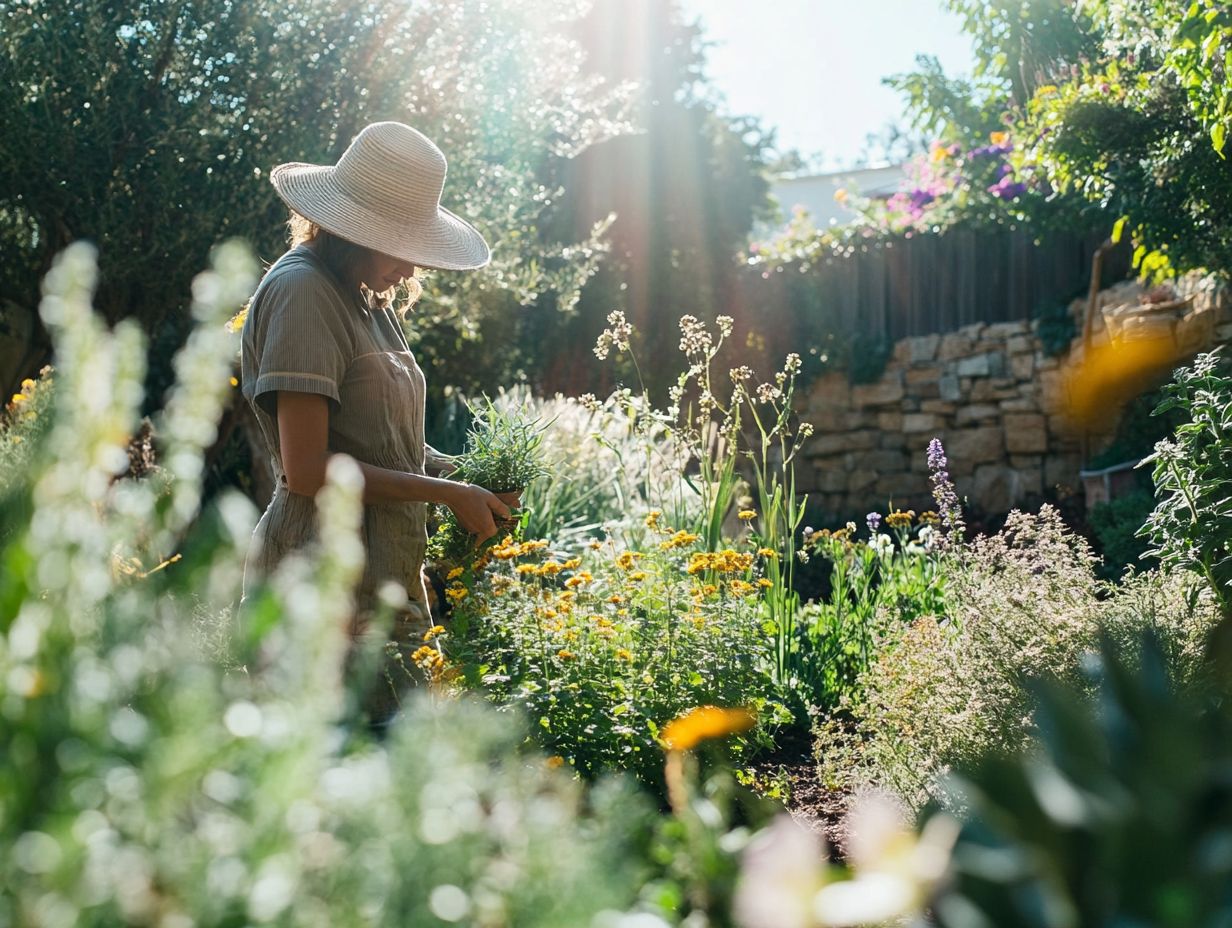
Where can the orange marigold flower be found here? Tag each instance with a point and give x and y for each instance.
(697, 725)
(740, 587)
(679, 540)
(627, 559)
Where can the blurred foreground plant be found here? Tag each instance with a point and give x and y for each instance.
(1119, 812)
(145, 784)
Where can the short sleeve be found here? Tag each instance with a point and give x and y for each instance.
(300, 340)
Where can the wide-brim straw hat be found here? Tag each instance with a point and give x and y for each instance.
(385, 194)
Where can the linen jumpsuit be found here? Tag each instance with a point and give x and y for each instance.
(308, 332)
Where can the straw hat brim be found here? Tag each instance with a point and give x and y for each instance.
(446, 241)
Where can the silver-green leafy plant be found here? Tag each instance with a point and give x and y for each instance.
(1191, 525)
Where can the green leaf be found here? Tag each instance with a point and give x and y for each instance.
(1219, 137)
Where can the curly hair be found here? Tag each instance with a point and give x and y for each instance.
(342, 256)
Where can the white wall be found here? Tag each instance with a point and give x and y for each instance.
(815, 193)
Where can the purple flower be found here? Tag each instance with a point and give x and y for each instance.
(946, 497)
(936, 455)
(1007, 188)
(873, 519)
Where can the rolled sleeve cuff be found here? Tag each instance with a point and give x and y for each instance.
(273, 382)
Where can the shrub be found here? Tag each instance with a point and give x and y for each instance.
(608, 461)
(1112, 816)
(603, 647)
(947, 691)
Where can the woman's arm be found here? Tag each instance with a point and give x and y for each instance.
(303, 439)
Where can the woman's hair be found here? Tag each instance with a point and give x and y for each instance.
(342, 257)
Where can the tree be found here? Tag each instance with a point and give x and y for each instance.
(684, 189)
(150, 126)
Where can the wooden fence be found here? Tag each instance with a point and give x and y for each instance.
(929, 284)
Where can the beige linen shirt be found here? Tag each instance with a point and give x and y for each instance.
(307, 332)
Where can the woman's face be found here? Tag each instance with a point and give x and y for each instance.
(379, 272)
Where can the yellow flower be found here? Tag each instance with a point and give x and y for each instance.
(652, 518)
(998, 138)
(554, 761)
(235, 381)
(627, 559)
(679, 540)
(455, 594)
(572, 564)
(637, 576)
(595, 545)
(433, 632)
(900, 519)
(930, 518)
(697, 725)
(27, 385)
(765, 583)
(583, 577)
(726, 561)
(18, 399)
(527, 569)
(565, 655)
(767, 552)
(840, 195)
(549, 569)
(740, 587)
(615, 599)
(937, 154)
(454, 574)
(748, 514)
(624, 654)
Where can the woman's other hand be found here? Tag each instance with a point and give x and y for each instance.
(477, 510)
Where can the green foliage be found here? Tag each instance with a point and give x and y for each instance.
(118, 116)
(1191, 526)
(1114, 109)
(1112, 816)
(892, 577)
(503, 450)
(608, 462)
(1055, 328)
(1117, 525)
(603, 647)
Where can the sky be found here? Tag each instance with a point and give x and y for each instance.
(812, 69)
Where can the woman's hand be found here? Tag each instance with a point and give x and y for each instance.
(477, 510)
(512, 499)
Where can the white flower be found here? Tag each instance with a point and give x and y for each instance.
(782, 870)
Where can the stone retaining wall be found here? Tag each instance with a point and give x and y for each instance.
(991, 394)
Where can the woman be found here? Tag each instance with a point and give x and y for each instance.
(327, 369)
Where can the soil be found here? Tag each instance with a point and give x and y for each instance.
(812, 804)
